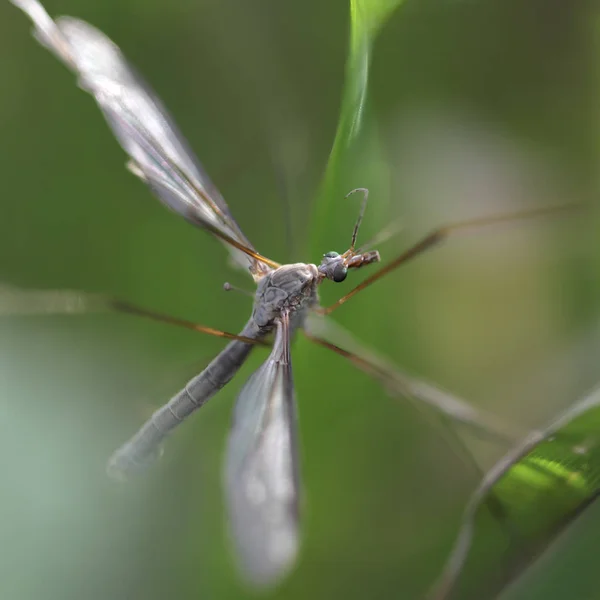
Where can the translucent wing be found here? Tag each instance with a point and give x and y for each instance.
(159, 154)
(262, 481)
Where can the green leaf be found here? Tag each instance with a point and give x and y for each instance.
(371, 14)
(355, 158)
(523, 502)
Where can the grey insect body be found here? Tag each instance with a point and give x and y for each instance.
(144, 446)
(262, 480)
(289, 288)
(262, 472)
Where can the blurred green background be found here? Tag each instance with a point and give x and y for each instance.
(479, 108)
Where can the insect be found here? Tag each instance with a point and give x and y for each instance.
(262, 471)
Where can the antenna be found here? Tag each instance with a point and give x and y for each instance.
(361, 214)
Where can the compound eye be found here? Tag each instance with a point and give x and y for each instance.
(331, 255)
(339, 273)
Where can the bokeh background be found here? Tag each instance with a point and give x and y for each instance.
(479, 108)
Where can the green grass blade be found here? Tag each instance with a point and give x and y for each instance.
(524, 501)
(355, 158)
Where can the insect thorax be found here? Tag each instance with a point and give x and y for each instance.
(290, 287)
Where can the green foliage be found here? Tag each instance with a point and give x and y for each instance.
(484, 318)
(356, 154)
(531, 494)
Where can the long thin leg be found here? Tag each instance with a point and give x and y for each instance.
(441, 234)
(15, 301)
(396, 386)
(132, 309)
(440, 401)
(398, 383)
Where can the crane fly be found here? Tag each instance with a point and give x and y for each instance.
(262, 481)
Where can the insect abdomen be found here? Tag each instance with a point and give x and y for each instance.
(144, 446)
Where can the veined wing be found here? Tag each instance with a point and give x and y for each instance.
(159, 154)
(262, 475)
